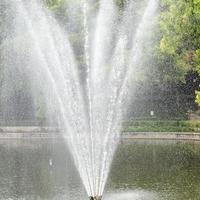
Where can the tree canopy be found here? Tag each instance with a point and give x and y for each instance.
(179, 45)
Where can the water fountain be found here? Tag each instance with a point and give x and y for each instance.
(95, 198)
(88, 111)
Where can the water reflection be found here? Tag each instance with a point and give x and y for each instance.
(37, 170)
(169, 168)
(43, 170)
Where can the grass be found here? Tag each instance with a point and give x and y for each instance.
(161, 126)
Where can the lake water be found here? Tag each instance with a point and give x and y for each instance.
(142, 170)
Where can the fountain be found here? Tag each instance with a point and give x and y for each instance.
(88, 107)
(95, 198)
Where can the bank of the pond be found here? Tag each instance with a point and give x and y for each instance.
(156, 125)
(23, 132)
(161, 135)
(26, 132)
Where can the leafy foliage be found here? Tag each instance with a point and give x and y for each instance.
(179, 46)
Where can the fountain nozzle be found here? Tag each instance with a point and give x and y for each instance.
(95, 198)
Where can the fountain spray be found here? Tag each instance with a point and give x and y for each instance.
(25, 48)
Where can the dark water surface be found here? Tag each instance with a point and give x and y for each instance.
(153, 170)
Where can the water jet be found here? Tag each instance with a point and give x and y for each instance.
(85, 96)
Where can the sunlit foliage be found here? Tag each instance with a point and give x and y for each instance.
(180, 35)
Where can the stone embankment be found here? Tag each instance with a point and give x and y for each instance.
(23, 132)
(162, 135)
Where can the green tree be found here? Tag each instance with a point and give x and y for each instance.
(179, 47)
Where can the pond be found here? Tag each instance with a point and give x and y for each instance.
(141, 170)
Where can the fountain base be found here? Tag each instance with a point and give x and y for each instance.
(95, 198)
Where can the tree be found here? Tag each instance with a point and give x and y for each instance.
(180, 36)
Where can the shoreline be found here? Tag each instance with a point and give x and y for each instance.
(33, 132)
(161, 136)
